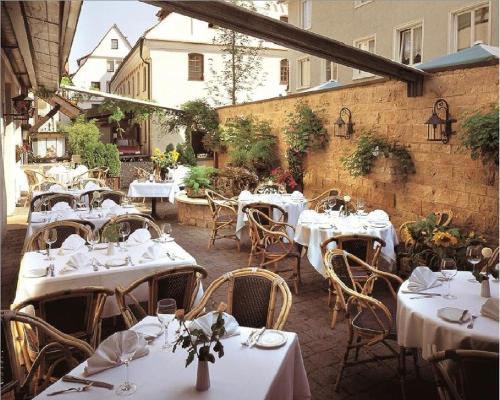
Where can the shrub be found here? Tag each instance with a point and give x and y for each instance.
(102, 155)
(81, 133)
(187, 156)
(481, 136)
(198, 178)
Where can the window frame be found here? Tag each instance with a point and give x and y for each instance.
(282, 66)
(191, 73)
(302, 23)
(325, 63)
(112, 63)
(113, 41)
(397, 39)
(93, 87)
(299, 73)
(356, 73)
(453, 24)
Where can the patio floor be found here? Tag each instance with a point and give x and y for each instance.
(322, 348)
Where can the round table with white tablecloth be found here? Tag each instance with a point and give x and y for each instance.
(314, 228)
(418, 324)
(64, 175)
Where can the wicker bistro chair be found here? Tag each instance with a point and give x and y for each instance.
(98, 173)
(270, 210)
(273, 244)
(26, 381)
(224, 214)
(64, 229)
(136, 221)
(365, 247)
(371, 317)
(76, 312)
(339, 202)
(267, 188)
(141, 173)
(327, 193)
(57, 198)
(81, 182)
(115, 195)
(180, 283)
(251, 297)
(466, 374)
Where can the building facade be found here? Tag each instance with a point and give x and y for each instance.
(409, 32)
(172, 63)
(96, 68)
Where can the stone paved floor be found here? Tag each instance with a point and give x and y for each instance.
(322, 348)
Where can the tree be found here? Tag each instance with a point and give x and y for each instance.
(241, 70)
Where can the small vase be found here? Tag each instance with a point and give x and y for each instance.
(485, 288)
(203, 376)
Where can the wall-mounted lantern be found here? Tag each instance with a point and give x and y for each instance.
(439, 128)
(23, 104)
(343, 126)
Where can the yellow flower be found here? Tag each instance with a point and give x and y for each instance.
(174, 155)
(444, 239)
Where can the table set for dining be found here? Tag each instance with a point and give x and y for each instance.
(65, 175)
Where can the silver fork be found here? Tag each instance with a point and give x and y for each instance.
(72, 389)
(471, 323)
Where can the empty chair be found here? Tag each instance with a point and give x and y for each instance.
(466, 374)
(273, 245)
(252, 295)
(270, 188)
(100, 173)
(224, 214)
(334, 202)
(57, 198)
(23, 378)
(64, 229)
(180, 283)
(327, 193)
(136, 221)
(115, 195)
(84, 183)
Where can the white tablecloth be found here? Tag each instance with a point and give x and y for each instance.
(243, 374)
(109, 278)
(154, 189)
(311, 231)
(179, 174)
(419, 326)
(293, 208)
(66, 175)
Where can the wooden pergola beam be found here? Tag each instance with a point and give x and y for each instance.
(230, 16)
(44, 119)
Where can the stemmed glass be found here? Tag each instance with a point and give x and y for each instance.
(474, 257)
(164, 311)
(332, 203)
(50, 237)
(166, 230)
(93, 238)
(448, 268)
(128, 348)
(360, 206)
(80, 203)
(124, 231)
(46, 206)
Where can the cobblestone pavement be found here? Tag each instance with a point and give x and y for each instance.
(322, 348)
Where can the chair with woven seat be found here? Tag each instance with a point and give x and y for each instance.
(270, 188)
(136, 221)
(274, 212)
(23, 380)
(35, 181)
(64, 229)
(323, 204)
(251, 295)
(466, 374)
(224, 215)
(76, 312)
(327, 193)
(371, 317)
(274, 244)
(179, 283)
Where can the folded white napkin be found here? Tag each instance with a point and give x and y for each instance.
(56, 188)
(61, 206)
(91, 186)
(108, 203)
(422, 278)
(490, 308)
(296, 195)
(108, 354)
(36, 217)
(80, 169)
(139, 236)
(378, 215)
(76, 261)
(206, 321)
(73, 242)
(245, 195)
(153, 252)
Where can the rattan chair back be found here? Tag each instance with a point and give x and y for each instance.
(223, 212)
(179, 283)
(64, 229)
(322, 204)
(82, 182)
(115, 195)
(327, 193)
(136, 221)
(270, 188)
(252, 297)
(365, 247)
(56, 198)
(141, 173)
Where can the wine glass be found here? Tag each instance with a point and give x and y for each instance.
(124, 231)
(45, 205)
(448, 268)
(360, 206)
(166, 230)
(332, 202)
(50, 237)
(164, 311)
(80, 203)
(474, 256)
(93, 238)
(128, 346)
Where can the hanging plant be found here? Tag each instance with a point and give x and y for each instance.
(304, 132)
(481, 136)
(369, 147)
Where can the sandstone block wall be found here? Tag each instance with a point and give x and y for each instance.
(446, 177)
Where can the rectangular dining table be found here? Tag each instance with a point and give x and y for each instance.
(154, 190)
(242, 373)
(111, 277)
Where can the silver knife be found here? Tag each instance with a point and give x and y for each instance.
(256, 337)
(75, 379)
(426, 293)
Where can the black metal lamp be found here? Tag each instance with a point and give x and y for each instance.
(343, 126)
(438, 128)
(23, 104)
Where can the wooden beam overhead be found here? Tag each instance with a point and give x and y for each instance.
(227, 15)
(44, 119)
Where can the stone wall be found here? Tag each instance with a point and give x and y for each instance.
(127, 173)
(446, 177)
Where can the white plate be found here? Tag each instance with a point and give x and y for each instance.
(35, 273)
(100, 246)
(92, 216)
(378, 224)
(128, 206)
(116, 262)
(82, 209)
(452, 314)
(325, 226)
(148, 329)
(271, 339)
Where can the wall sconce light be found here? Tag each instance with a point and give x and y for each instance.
(343, 126)
(438, 128)
(23, 104)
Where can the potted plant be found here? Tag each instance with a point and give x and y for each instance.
(197, 180)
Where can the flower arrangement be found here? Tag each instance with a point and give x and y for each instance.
(283, 177)
(197, 342)
(159, 158)
(481, 276)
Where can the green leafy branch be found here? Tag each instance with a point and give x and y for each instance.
(480, 135)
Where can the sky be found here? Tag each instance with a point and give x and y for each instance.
(97, 16)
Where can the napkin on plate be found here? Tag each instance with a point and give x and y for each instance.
(139, 236)
(91, 186)
(61, 206)
(73, 242)
(296, 195)
(56, 188)
(107, 355)
(153, 252)
(490, 308)
(245, 195)
(108, 203)
(206, 321)
(76, 261)
(378, 216)
(422, 278)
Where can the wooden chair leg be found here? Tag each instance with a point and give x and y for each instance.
(334, 316)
